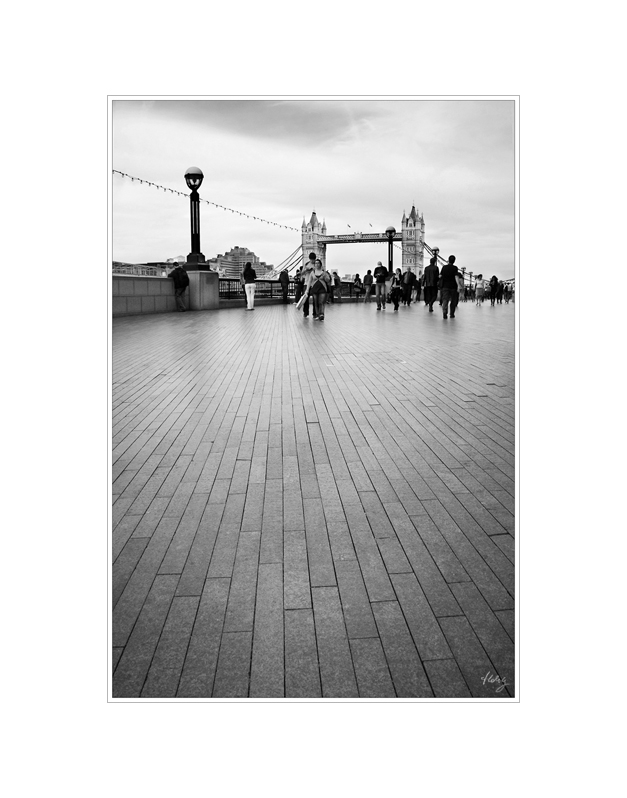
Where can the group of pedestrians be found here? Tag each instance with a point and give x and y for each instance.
(496, 289)
(315, 285)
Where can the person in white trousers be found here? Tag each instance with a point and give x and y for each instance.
(249, 275)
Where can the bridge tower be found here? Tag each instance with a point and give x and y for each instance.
(413, 231)
(309, 234)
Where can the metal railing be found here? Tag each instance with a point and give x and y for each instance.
(271, 289)
(140, 271)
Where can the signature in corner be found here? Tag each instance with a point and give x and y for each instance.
(492, 678)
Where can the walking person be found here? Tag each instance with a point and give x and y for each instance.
(459, 279)
(409, 280)
(302, 300)
(396, 288)
(430, 282)
(380, 277)
(499, 292)
(368, 279)
(249, 275)
(494, 287)
(284, 279)
(418, 287)
(337, 285)
(479, 289)
(181, 281)
(318, 286)
(449, 287)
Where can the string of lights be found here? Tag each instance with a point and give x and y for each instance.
(207, 202)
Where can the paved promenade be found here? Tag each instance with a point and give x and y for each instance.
(314, 509)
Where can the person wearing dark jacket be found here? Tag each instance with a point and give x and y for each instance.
(284, 279)
(430, 283)
(409, 280)
(380, 279)
(181, 281)
(449, 286)
(494, 287)
(249, 275)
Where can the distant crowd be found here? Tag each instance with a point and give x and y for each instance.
(315, 286)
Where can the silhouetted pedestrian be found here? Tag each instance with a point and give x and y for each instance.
(368, 280)
(396, 288)
(449, 287)
(284, 279)
(409, 281)
(430, 282)
(380, 277)
(181, 281)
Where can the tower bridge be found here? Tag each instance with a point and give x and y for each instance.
(411, 237)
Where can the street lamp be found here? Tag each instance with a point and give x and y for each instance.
(390, 233)
(193, 178)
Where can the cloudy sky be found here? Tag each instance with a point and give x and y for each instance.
(356, 162)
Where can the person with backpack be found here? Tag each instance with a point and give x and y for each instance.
(181, 281)
(284, 280)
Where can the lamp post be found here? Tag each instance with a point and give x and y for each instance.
(390, 233)
(193, 178)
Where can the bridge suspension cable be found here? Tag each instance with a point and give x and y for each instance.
(207, 202)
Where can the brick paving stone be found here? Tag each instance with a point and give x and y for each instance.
(428, 574)
(336, 665)
(446, 679)
(376, 515)
(393, 556)
(355, 603)
(507, 545)
(321, 570)
(167, 663)
(132, 668)
(508, 621)
(233, 671)
(253, 508)
(122, 533)
(495, 640)
(267, 678)
(470, 656)
(116, 653)
(272, 523)
(408, 675)
(178, 551)
(202, 654)
(340, 539)
(124, 566)
(197, 563)
(297, 590)
(132, 599)
(444, 557)
(371, 669)
(240, 610)
(497, 589)
(373, 569)
(422, 623)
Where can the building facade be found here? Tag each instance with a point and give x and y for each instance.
(413, 232)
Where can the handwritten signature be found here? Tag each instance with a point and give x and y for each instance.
(492, 678)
